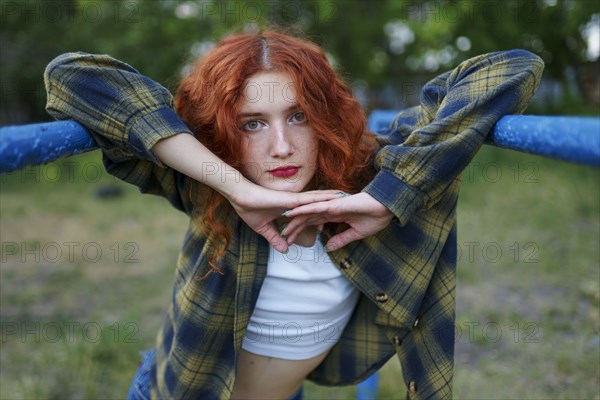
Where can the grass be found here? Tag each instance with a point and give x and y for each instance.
(85, 282)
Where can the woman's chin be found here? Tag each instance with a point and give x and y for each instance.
(295, 187)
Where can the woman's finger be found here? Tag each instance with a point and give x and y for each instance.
(318, 201)
(343, 238)
(312, 208)
(289, 201)
(294, 227)
(273, 237)
(297, 224)
(314, 196)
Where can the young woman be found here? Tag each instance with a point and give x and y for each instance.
(314, 250)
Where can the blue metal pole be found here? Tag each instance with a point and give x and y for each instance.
(35, 144)
(367, 390)
(572, 139)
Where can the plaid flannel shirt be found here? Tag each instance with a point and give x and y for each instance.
(405, 273)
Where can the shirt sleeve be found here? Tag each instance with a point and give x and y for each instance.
(440, 137)
(126, 113)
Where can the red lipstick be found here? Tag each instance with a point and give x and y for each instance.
(285, 171)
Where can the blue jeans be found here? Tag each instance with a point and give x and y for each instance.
(140, 387)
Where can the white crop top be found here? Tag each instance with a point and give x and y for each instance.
(303, 306)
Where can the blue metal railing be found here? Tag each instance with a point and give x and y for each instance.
(35, 144)
(572, 139)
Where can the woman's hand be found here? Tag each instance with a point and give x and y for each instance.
(259, 207)
(256, 205)
(365, 215)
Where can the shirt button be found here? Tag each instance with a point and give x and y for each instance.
(416, 323)
(397, 341)
(412, 387)
(381, 297)
(346, 264)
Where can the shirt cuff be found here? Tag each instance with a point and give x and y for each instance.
(398, 196)
(147, 130)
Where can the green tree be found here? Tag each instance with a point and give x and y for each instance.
(393, 45)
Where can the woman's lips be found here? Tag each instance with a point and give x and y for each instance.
(285, 172)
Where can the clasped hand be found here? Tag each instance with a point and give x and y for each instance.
(259, 208)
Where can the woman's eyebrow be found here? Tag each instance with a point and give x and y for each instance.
(250, 114)
(289, 109)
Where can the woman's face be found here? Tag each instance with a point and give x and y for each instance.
(280, 148)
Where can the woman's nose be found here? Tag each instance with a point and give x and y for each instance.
(281, 145)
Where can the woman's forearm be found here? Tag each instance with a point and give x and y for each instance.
(458, 109)
(187, 155)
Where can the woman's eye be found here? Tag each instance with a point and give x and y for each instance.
(299, 117)
(251, 125)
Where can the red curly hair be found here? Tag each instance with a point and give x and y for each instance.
(210, 97)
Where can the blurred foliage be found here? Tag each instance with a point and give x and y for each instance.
(386, 49)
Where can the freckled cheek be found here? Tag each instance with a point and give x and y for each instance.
(251, 170)
(314, 152)
(251, 163)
